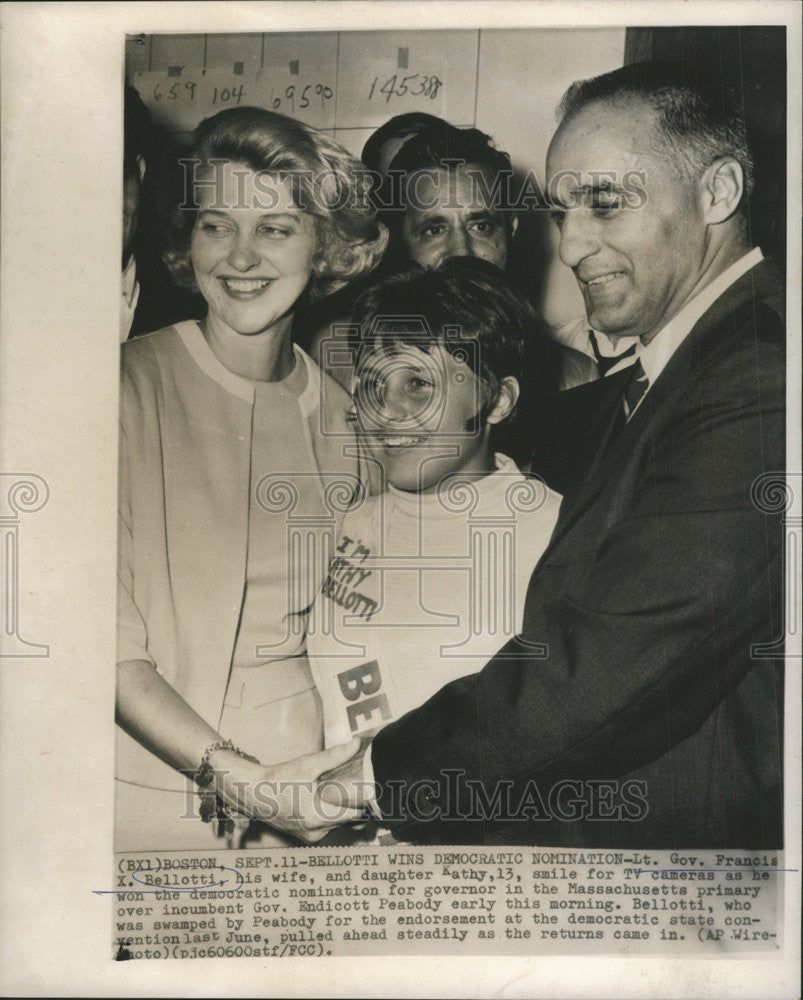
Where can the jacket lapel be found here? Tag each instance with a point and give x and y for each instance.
(760, 283)
(602, 450)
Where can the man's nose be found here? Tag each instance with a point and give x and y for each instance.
(243, 254)
(458, 244)
(577, 237)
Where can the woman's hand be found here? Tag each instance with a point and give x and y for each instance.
(286, 795)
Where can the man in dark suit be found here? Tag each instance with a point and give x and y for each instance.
(633, 710)
(149, 298)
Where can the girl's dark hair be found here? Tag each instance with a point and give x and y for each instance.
(466, 306)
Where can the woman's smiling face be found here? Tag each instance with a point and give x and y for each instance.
(252, 248)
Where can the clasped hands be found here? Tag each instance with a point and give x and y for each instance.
(306, 797)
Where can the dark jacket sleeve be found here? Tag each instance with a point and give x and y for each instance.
(640, 617)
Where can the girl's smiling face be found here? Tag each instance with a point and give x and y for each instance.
(419, 414)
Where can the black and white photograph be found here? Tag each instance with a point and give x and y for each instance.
(433, 485)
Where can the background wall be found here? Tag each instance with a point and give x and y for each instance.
(505, 82)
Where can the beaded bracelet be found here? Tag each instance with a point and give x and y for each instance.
(211, 805)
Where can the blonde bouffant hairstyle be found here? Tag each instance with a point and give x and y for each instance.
(327, 182)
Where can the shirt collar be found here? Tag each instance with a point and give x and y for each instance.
(205, 358)
(655, 355)
(574, 333)
(129, 282)
(128, 299)
(447, 500)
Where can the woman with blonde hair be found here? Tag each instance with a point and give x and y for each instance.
(237, 461)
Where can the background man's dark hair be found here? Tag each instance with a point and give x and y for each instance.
(465, 301)
(160, 302)
(398, 127)
(140, 137)
(447, 149)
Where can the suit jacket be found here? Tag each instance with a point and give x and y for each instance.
(630, 711)
(185, 468)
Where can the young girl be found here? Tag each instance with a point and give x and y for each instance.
(428, 578)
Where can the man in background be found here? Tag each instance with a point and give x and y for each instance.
(149, 299)
(137, 149)
(450, 193)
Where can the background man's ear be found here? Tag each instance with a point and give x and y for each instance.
(514, 225)
(141, 165)
(506, 400)
(721, 187)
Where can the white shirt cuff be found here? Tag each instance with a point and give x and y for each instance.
(370, 784)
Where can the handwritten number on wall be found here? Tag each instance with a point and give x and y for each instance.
(414, 85)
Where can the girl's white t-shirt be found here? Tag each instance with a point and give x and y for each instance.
(423, 589)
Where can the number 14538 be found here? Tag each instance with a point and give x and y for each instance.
(414, 85)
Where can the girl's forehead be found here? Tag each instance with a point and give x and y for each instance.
(395, 354)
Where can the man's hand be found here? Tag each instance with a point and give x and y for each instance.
(346, 786)
(287, 796)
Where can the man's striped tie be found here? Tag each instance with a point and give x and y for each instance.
(634, 390)
(604, 362)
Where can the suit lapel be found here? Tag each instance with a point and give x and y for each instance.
(601, 430)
